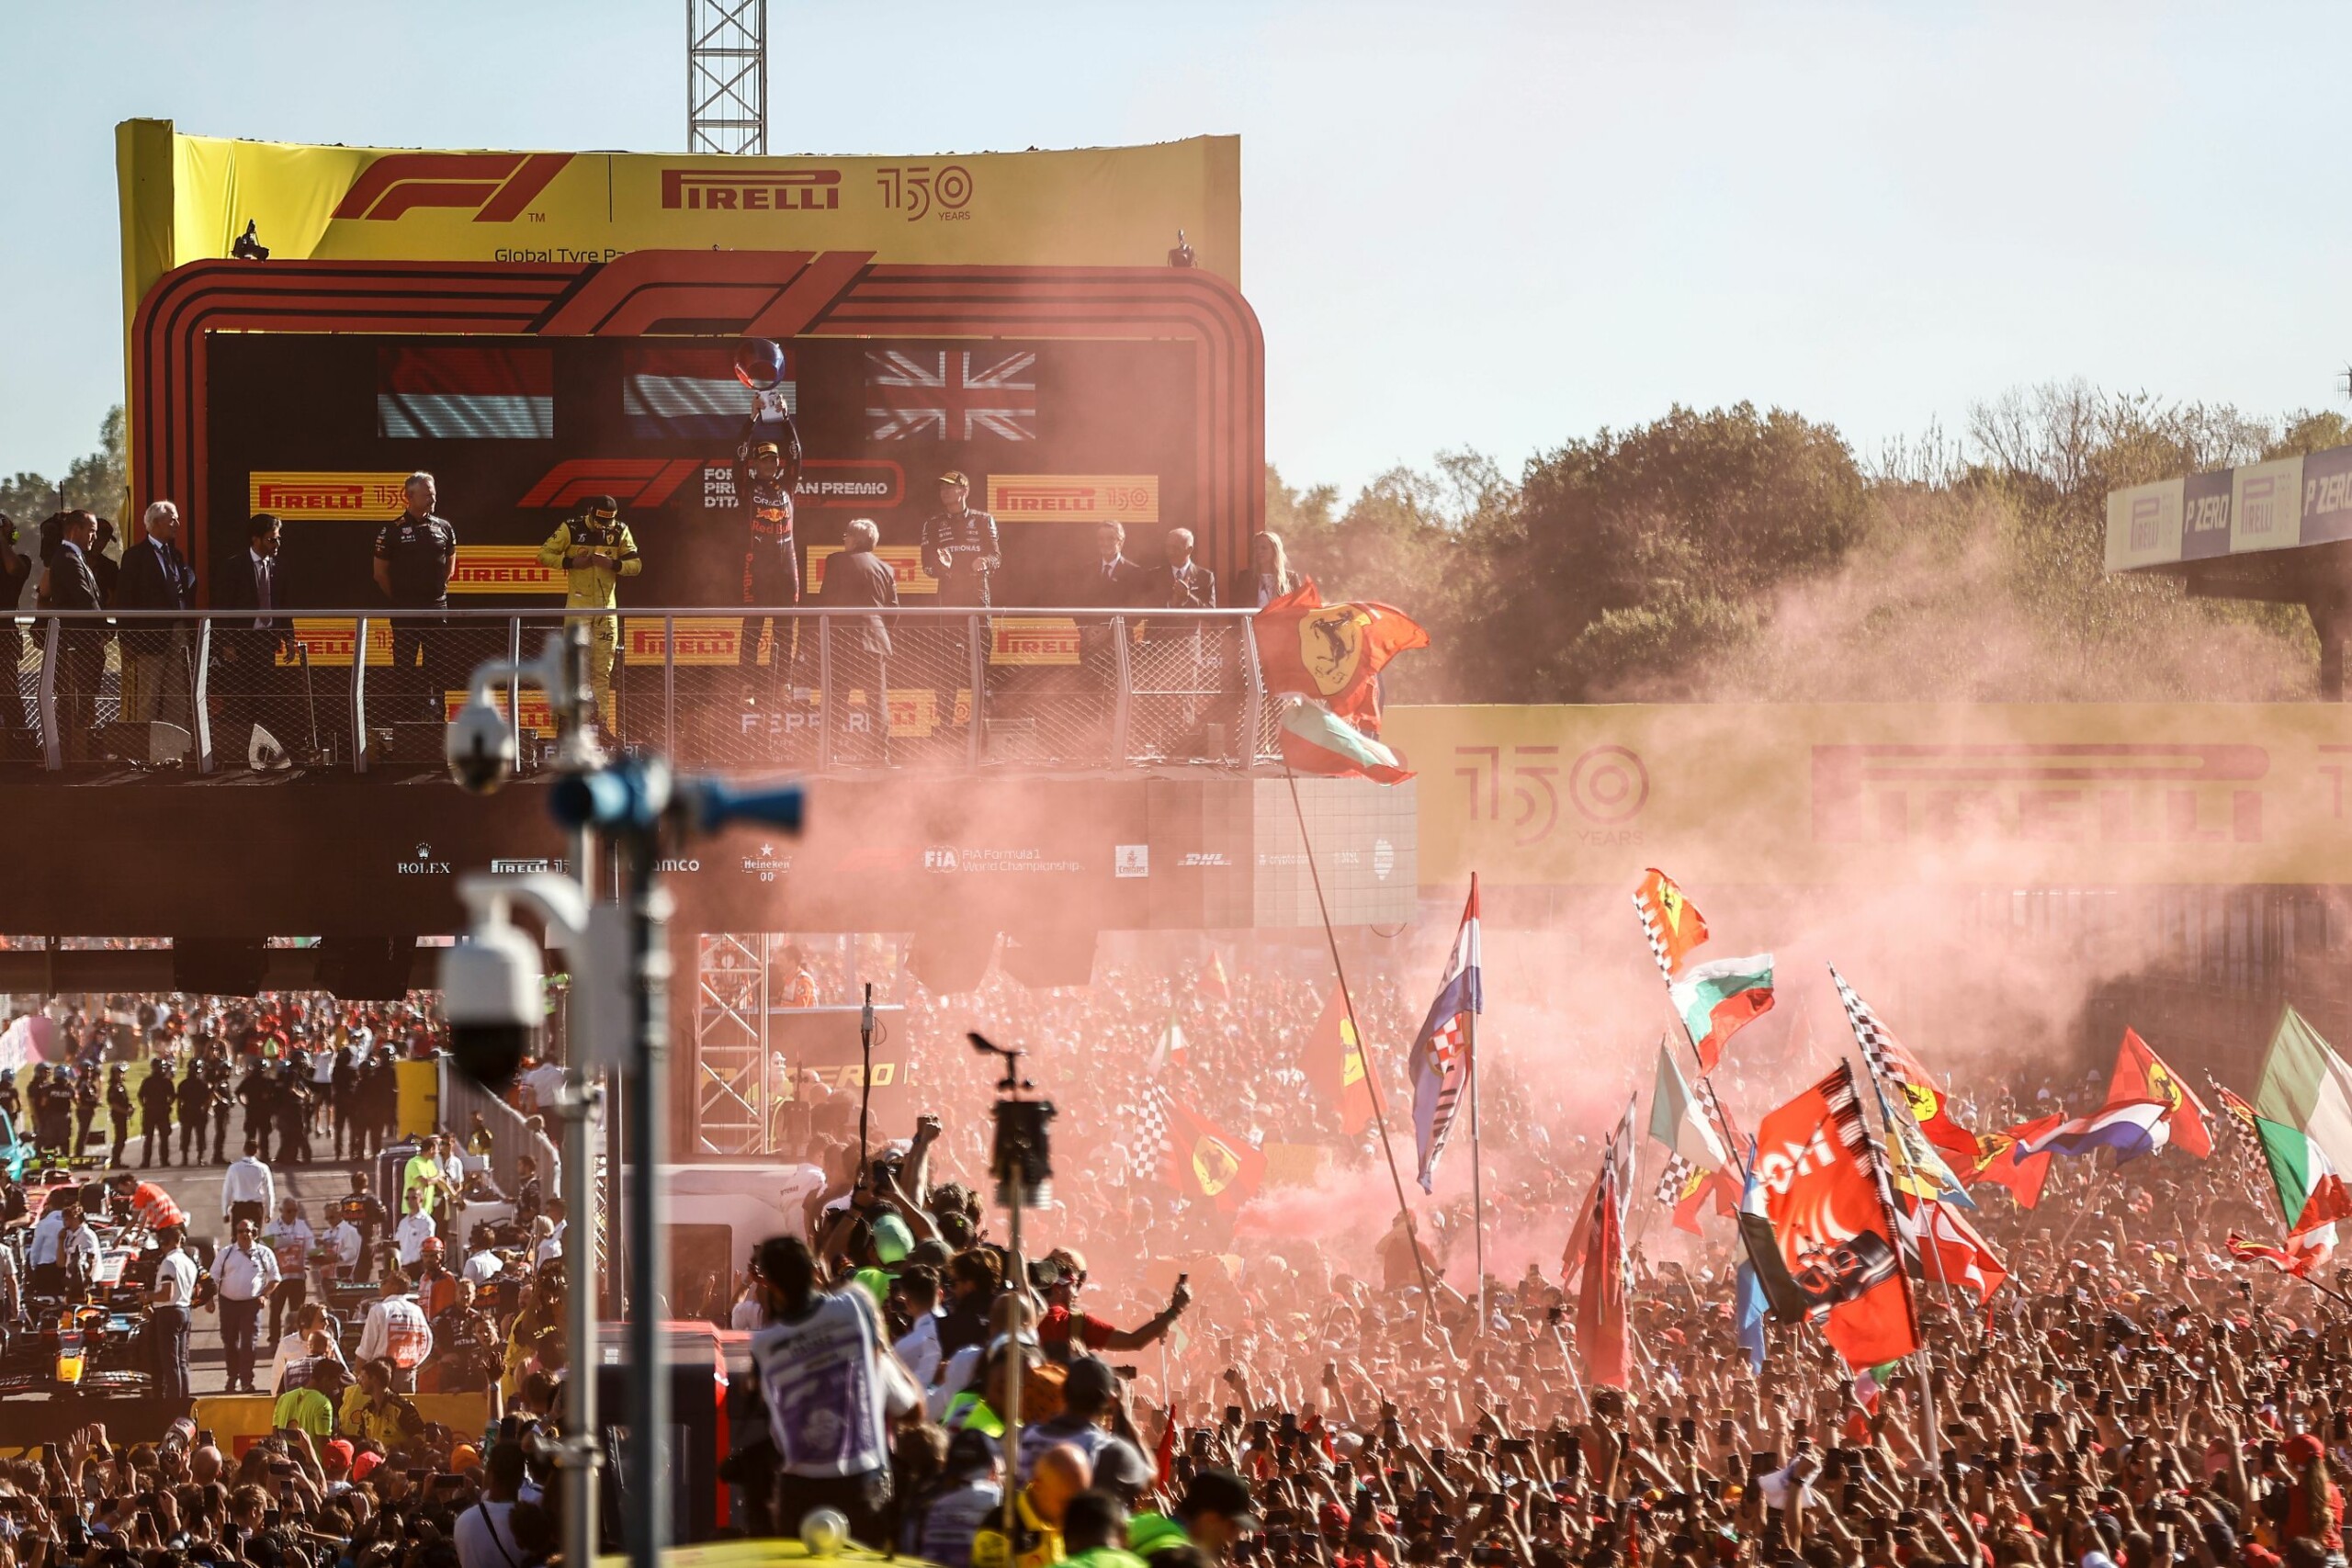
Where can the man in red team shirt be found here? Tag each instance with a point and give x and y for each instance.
(1063, 1322)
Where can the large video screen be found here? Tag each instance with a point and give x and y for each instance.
(1057, 436)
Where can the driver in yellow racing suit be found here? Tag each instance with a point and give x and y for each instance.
(594, 552)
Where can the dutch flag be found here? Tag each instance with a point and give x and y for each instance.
(1440, 1064)
(2132, 1129)
(690, 394)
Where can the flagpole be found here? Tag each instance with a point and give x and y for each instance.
(1895, 1151)
(1363, 1047)
(1477, 1159)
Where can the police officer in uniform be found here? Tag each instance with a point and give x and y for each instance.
(594, 553)
(415, 553)
(959, 546)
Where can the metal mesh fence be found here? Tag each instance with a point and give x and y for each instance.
(805, 691)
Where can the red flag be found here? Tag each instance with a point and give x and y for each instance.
(1691, 1201)
(1335, 1066)
(1203, 1162)
(2298, 1257)
(1952, 1253)
(1212, 977)
(1671, 921)
(1579, 1239)
(2140, 1074)
(1601, 1301)
(2001, 1159)
(1333, 652)
(1825, 1190)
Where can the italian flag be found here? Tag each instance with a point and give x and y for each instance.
(1719, 998)
(2304, 1118)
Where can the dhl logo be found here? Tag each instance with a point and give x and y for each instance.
(496, 185)
(327, 498)
(1033, 639)
(538, 717)
(503, 568)
(329, 642)
(905, 562)
(762, 190)
(1074, 498)
(2109, 793)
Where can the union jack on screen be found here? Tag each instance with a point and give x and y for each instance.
(950, 395)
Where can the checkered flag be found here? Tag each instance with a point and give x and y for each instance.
(1648, 917)
(1881, 1052)
(1148, 1148)
(1671, 1180)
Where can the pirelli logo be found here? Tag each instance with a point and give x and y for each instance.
(1074, 498)
(503, 568)
(2106, 792)
(329, 642)
(762, 190)
(536, 716)
(702, 640)
(325, 498)
(905, 562)
(1033, 639)
(495, 186)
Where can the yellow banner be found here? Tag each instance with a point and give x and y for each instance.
(372, 499)
(2052, 794)
(538, 717)
(187, 198)
(329, 642)
(1033, 639)
(1074, 498)
(503, 568)
(702, 640)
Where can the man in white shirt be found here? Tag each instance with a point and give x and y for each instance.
(66, 1256)
(484, 1265)
(484, 1532)
(246, 1190)
(397, 1328)
(174, 1290)
(414, 1228)
(289, 1235)
(245, 1273)
(348, 1245)
(551, 1249)
(917, 1297)
(296, 1345)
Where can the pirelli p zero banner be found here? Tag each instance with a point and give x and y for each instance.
(2053, 794)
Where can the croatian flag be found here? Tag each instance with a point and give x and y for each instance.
(690, 393)
(1441, 1057)
(466, 393)
(2132, 1129)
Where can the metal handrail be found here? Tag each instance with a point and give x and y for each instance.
(1127, 739)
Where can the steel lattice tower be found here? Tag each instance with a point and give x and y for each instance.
(727, 76)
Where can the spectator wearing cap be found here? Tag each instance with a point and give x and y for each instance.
(1089, 1392)
(1215, 1514)
(960, 546)
(1064, 1328)
(594, 551)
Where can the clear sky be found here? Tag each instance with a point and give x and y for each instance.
(1481, 224)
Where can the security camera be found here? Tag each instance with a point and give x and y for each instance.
(491, 998)
(481, 748)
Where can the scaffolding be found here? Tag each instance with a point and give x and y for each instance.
(727, 76)
(733, 1100)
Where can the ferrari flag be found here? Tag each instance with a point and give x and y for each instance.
(2140, 1074)
(1670, 921)
(1332, 652)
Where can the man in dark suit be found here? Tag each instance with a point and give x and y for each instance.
(1183, 584)
(858, 579)
(1179, 656)
(156, 576)
(1114, 582)
(246, 651)
(81, 646)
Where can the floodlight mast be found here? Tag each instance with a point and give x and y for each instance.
(727, 76)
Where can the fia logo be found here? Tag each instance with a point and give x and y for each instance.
(939, 857)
